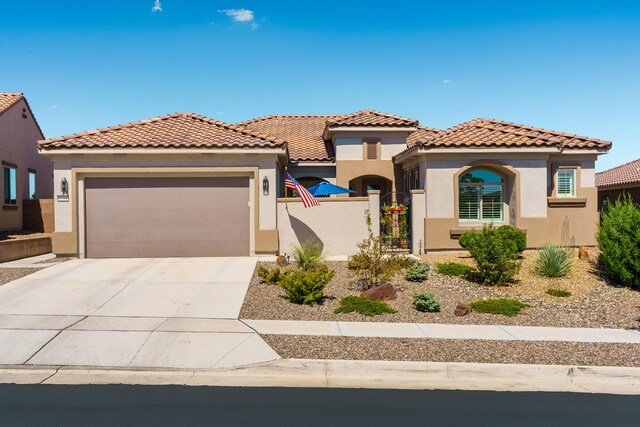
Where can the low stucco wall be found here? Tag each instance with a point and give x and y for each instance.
(37, 215)
(338, 224)
(11, 250)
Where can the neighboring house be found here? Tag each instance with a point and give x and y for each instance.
(25, 173)
(617, 181)
(187, 185)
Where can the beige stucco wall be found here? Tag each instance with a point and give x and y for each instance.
(18, 138)
(337, 224)
(533, 177)
(69, 219)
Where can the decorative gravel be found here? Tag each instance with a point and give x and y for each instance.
(470, 351)
(54, 260)
(10, 274)
(594, 303)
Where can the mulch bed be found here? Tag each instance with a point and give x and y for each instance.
(596, 305)
(54, 260)
(10, 274)
(470, 351)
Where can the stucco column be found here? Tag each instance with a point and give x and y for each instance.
(374, 210)
(418, 214)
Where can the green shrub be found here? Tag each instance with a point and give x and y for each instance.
(453, 269)
(504, 306)
(371, 265)
(553, 261)
(306, 287)
(308, 255)
(417, 273)
(273, 276)
(517, 236)
(558, 293)
(363, 306)
(426, 302)
(495, 254)
(619, 240)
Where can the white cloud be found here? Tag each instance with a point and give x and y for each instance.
(157, 6)
(446, 82)
(53, 107)
(244, 16)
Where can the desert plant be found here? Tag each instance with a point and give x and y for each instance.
(619, 240)
(417, 273)
(363, 306)
(308, 255)
(553, 261)
(306, 287)
(371, 264)
(271, 276)
(426, 302)
(558, 293)
(453, 269)
(495, 254)
(504, 306)
(513, 234)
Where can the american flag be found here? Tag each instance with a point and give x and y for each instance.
(307, 199)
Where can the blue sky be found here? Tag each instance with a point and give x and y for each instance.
(572, 66)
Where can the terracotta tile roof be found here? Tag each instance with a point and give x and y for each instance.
(422, 136)
(8, 100)
(371, 118)
(627, 173)
(304, 133)
(490, 133)
(179, 130)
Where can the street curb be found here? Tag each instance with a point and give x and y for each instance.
(353, 374)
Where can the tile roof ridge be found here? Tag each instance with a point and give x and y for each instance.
(541, 130)
(194, 116)
(273, 116)
(619, 166)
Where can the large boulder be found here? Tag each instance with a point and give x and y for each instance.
(587, 253)
(382, 292)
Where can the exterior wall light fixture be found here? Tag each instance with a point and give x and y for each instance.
(64, 187)
(265, 186)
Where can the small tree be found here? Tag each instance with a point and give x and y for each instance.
(619, 240)
(495, 251)
(372, 266)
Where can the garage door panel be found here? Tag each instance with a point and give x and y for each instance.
(160, 217)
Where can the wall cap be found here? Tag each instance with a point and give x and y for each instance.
(417, 191)
(566, 202)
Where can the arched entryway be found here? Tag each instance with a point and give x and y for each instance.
(362, 184)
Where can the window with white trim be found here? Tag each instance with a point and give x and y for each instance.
(566, 182)
(10, 185)
(32, 184)
(481, 196)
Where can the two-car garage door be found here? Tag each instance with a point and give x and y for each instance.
(166, 217)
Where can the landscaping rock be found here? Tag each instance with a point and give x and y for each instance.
(462, 310)
(382, 292)
(282, 261)
(590, 254)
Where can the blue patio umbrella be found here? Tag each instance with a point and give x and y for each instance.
(325, 189)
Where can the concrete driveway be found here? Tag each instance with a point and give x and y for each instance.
(173, 312)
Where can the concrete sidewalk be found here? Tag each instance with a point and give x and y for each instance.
(357, 374)
(442, 331)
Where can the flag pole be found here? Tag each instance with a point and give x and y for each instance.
(286, 200)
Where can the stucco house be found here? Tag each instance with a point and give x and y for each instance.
(26, 174)
(618, 181)
(186, 185)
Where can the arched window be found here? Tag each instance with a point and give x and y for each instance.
(480, 196)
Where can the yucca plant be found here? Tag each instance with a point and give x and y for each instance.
(553, 261)
(308, 255)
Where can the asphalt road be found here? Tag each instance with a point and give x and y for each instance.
(120, 405)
